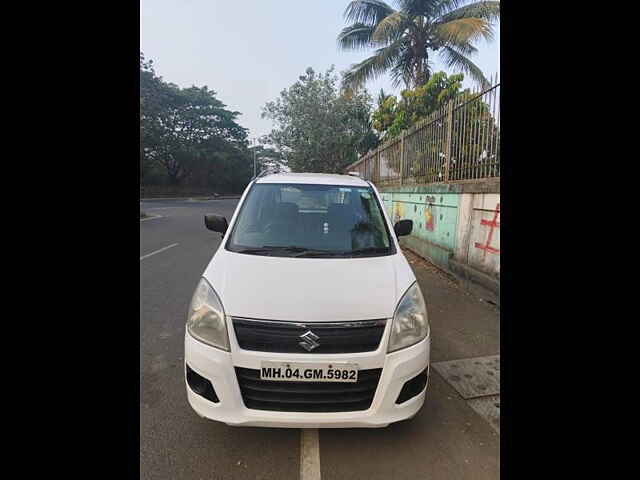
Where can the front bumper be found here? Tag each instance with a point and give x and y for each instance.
(218, 366)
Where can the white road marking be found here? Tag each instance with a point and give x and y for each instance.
(150, 218)
(158, 251)
(309, 454)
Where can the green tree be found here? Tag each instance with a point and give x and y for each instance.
(196, 128)
(187, 135)
(406, 39)
(229, 171)
(393, 116)
(153, 95)
(320, 128)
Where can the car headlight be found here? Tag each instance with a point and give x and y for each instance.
(206, 320)
(410, 322)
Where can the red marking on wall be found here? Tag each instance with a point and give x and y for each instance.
(493, 224)
(489, 223)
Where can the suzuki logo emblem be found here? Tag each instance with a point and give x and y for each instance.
(309, 341)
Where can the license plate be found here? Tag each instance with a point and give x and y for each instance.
(309, 372)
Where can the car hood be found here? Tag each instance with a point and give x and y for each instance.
(309, 289)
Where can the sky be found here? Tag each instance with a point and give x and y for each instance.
(248, 51)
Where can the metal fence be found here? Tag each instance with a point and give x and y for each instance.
(460, 141)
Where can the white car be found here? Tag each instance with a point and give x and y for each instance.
(308, 314)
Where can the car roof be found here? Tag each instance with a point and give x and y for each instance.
(314, 178)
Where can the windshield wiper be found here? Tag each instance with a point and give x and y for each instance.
(311, 252)
(253, 250)
(286, 248)
(365, 251)
(302, 251)
(298, 251)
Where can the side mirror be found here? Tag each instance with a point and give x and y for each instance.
(403, 227)
(216, 223)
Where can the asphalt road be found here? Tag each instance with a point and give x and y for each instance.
(446, 440)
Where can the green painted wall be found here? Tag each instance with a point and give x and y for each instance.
(435, 220)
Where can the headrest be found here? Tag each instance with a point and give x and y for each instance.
(287, 209)
(339, 210)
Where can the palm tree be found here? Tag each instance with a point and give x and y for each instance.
(406, 39)
(382, 96)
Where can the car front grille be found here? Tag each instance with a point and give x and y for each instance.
(308, 396)
(286, 337)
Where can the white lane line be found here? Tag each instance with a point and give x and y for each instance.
(157, 251)
(309, 454)
(151, 218)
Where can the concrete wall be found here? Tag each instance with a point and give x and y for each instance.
(479, 230)
(435, 218)
(456, 226)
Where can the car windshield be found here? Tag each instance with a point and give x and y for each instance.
(308, 220)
